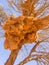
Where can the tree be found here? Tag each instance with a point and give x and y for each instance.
(24, 30)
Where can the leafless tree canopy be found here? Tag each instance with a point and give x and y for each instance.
(39, 10)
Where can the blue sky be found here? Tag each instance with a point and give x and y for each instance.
(4, 54)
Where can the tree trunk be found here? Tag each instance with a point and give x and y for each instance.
(12, 57)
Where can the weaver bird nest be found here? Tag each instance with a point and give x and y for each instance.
(18, 31)
(21, 30)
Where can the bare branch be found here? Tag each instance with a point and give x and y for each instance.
(35, 56)
(3, 15)
(42, 8)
